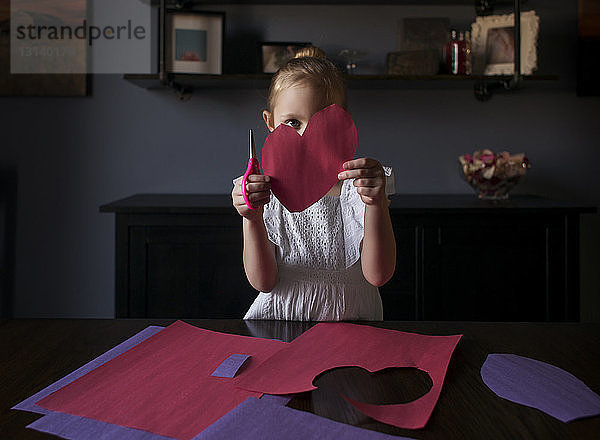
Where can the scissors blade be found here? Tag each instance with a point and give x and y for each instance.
(252, 148)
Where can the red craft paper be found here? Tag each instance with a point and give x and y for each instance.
(304, 168)
(331, 345)
(164, 384)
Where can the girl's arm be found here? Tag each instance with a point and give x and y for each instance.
(378, 253)
(259, 253)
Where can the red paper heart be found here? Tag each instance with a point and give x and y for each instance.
(304, 168)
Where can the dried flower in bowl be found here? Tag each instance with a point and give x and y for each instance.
(493, 175)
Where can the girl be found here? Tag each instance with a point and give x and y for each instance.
(326, 262)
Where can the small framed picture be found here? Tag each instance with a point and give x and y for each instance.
(274, 55)
(194, 42)
(493, 44)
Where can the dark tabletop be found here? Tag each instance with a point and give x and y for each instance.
(36, 353)
(400, 203)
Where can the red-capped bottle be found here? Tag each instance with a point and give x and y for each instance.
(452, 54)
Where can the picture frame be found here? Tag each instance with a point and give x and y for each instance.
(423, 33)
(194, 42)
(417, 38)
(274, 55)
(39, 83)
(588, 47)
(492, 43)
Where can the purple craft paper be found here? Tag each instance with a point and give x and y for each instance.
(77, 428)
(72, 427)
(539, 385)
(258, 419)
(29, 403)
(230, 366)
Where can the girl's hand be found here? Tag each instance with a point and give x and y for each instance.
(258, 190)
(369, 180)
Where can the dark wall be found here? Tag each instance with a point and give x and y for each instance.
(74, 154)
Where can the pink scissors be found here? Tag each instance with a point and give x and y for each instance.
(252, 168)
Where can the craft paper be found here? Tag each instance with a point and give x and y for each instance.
(163, 385)
(304, 168)
(230, 366)
(539, 385)
(29, 403)
(74, 427)
(78, 428)
(259, 420)
(331, 345)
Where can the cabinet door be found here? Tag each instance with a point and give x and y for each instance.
(399, 294)
(8, 226)
(486, 268)
(4, 295)
(188, 272)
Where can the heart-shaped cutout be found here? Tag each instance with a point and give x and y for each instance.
(389, 386)
(303, 168)
(330, 345)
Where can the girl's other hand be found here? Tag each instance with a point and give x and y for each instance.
(369, 180)
(258, 190)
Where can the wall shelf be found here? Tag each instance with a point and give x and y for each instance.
(483, 86)
(476, 3)
(366, 82)
(326, 2)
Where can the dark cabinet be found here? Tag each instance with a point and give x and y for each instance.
(179, 256)
(490, 269)
(515, 266)
(187, 271)
(458, 258)
(8, 227)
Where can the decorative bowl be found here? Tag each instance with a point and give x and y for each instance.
(491, 175)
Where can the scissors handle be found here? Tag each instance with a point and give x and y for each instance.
(252, 169)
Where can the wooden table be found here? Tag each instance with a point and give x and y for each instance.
(36, 353)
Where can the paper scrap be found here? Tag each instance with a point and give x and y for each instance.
(163, 385)
(276, 400)
(540, 385)
(331, 345)
(230, 366)
(256, 419)
(303, 168)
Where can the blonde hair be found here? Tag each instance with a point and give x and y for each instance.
(310, 67)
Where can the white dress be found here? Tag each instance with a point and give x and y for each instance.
(318, 260)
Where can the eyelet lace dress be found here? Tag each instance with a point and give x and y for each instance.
(318, 259)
